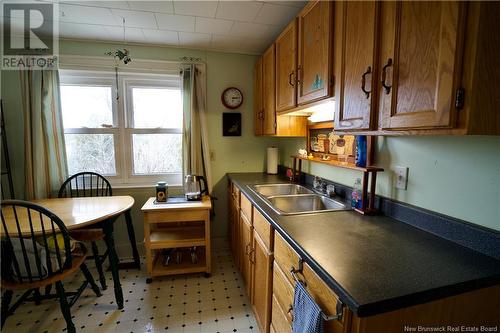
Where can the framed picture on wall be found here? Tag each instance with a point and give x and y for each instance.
(231, 124)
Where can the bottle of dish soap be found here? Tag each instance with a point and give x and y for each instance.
(356, 199)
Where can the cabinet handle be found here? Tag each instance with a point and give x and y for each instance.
(384, 74)
(246, 249)
(290, 78)
(363, 81)
(290, 312)
(299, 73)
(251, 255)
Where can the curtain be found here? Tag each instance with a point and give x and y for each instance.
(44, 148)
(195, 147)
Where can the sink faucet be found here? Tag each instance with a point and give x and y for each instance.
(319, 184)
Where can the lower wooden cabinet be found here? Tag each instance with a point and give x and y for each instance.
(279, 322)
(246, 236)
(262, 282)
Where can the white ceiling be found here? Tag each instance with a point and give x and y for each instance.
(233, 26)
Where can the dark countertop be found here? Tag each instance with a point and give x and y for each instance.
(376, 264)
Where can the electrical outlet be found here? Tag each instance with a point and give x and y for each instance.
(401, 177)
(212, 155)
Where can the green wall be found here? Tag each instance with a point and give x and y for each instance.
(453, 175)
(232, 154)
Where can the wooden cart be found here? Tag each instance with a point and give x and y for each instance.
(174, 226)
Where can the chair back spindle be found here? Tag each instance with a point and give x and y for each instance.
(85, 184)
(35, 243)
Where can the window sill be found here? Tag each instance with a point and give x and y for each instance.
(142, 186)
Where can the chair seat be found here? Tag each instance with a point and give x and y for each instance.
(78, 259)
(87, 235)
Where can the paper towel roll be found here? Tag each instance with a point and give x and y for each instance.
(272, 160)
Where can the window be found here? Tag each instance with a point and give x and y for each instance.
(134, 139)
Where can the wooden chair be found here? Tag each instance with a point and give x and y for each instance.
(36, 252)
(88, 184)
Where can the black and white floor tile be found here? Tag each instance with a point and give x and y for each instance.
(183, 303)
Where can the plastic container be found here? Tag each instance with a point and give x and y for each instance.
(361, 151)
(356, 199)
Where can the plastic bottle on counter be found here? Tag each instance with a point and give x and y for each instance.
(356, 199)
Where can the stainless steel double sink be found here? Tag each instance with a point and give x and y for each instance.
(293, 199)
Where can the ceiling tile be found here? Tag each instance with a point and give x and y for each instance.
(238, 10)
(105, 4)
(175, 22)
(276, 14)
(161, 36)
(292, 3)
(84, 31)
(84, 14)
(189, 39)
(135, 19)
(153, 6)
(252, 30)
(224, 42)
(196, 8)
(131, 34)
(214, 26)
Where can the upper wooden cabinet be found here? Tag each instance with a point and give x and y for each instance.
(421, 49)
(314, 71)
(417, 68)
(258, 109)
(266, 122)
(268, 92)
(356, 32)
(304, 58)
(286, 66)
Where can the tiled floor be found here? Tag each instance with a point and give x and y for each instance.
(185, 303)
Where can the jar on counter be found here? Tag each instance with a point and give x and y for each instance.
(161, 192)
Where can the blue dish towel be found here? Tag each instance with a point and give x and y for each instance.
(306, 312)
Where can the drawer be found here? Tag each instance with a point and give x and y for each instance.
(283, 291)
(246, 207)
(285, 256)
(264, 229)
(279, 321)
(325, 297)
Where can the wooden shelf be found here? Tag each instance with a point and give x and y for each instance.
(177, 237)
(340, 164)
(184, 267)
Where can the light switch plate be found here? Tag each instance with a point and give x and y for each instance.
(401, 177)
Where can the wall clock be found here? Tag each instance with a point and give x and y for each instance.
(232, 98)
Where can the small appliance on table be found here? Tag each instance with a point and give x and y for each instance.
(180, 226)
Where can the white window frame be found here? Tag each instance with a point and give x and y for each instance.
(123, 128)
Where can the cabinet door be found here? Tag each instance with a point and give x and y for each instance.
(262, 283)
(268, 92)
(286, 63)
(314, 56)
(257, 97)
(245, 253)
(421, 51)
(355, 40)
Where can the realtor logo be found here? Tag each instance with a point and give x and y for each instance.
(30, 35)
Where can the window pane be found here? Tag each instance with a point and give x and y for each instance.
(90, 152)
(157, 107)
(85, 106)
(157, 153)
